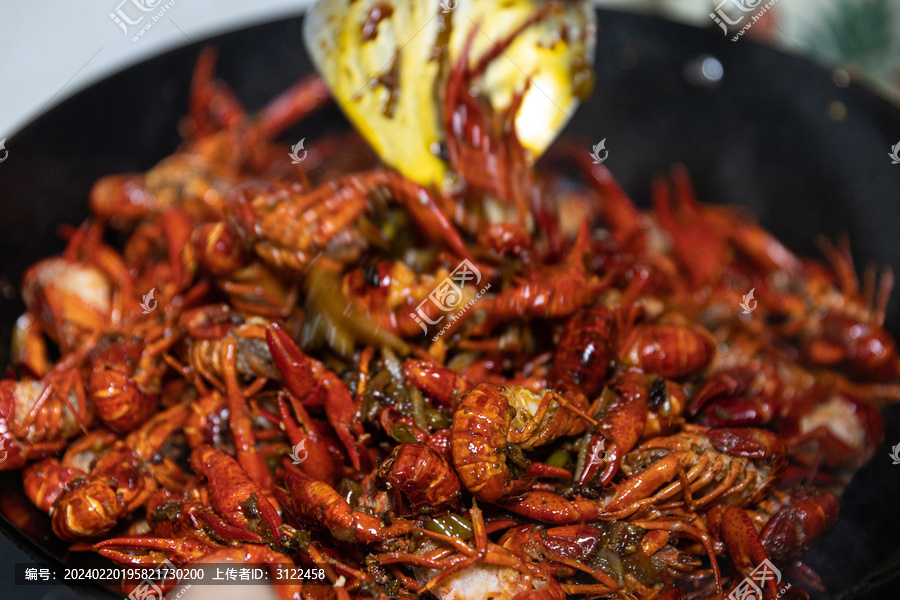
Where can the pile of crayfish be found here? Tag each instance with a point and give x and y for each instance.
(265, 360)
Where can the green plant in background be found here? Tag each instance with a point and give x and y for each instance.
(861, 36)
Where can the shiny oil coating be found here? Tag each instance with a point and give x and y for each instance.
(480, 428)
(318, 504)
(668, 350)
(231, 489)
(586, 352)
(90, 512)
(422, 475)
(492, 420)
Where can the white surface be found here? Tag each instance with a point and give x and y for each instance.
(50, 49)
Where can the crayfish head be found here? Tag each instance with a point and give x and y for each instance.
(115, 394)
(840, 432)
(220, 248)
(809, 513)
(767, 452)
(748, 442)
(46, 480)
(87, 512)
(70, 300)
(122, 197)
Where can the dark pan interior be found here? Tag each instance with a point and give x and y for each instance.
(762, 138)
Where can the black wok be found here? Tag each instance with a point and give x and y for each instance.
(762, 138)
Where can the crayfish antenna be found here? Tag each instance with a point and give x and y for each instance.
(212, 104)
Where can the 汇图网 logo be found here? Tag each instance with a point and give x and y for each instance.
(148, 303)
(299, 453)
(748, 303)
(894, 153)
(751, 588)
(595, 151)
(295, 152)
(133, 12)
(448, 296)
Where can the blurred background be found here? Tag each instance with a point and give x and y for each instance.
(52, 49)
